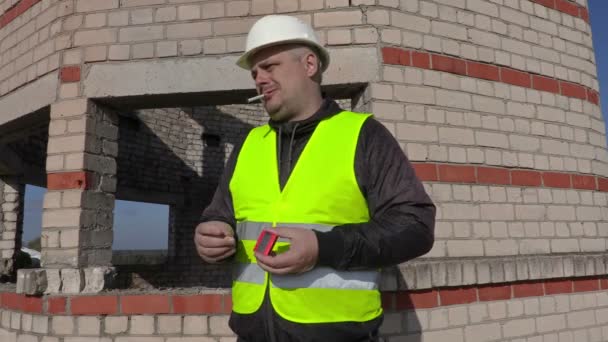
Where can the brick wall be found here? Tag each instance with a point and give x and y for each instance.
(495, 101)
(556, 310)
(81, 182)
(12, 194)
(30, 40)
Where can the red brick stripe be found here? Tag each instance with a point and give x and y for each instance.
(473, 174)
(56, 305)
(197, 304)
(529, 289)
(457, 173)
(567, 7)
(581, 285)
(69, 74)
(69, 180)
(428, 171)
(495, 292)
(493, 175)
(221, 303)
(145, 304)
(16, 11)
(94, 305)
(401, 300)
(558, 287)
(419, 300)
(32, 304)
(465, 67)
(458, 296)
(12, 301)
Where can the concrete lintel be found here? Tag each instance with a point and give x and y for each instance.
(426, 273)
(28, 99)
(214, 80)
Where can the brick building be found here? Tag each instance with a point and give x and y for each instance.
(495, 101)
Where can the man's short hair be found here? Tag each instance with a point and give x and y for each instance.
(300, 50)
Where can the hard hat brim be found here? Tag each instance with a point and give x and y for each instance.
(244, 63)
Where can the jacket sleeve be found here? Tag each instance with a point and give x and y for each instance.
(402, 215)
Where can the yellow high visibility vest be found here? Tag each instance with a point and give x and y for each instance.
(321, 192)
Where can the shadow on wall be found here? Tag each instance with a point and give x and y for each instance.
(401, 321)
(176, 156)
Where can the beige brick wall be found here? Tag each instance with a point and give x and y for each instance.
(519, 34)
(77, 224)
(153, 29)
(574, 316)
(551, 318)
(12, 195)
(480, 220)
(16, 326)
(6, 4)
(450, 118)
(30, 44)
(443, 117)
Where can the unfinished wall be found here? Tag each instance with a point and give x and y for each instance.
(177, 155)
(12, 194)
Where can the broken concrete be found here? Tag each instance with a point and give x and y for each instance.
(31, 281)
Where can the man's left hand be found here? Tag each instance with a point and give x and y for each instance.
(301, 256)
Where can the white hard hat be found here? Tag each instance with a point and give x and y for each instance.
(281, 29)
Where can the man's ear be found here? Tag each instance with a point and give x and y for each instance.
(312, 64)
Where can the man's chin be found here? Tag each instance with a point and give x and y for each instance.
(274, 112)
(277, 117)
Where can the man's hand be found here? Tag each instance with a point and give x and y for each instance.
(214, 241)
(301, 256)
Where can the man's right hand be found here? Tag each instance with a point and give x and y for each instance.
(214, 241)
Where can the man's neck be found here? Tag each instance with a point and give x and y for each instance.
(312, 107)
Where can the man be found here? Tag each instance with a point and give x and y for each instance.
(332, 184)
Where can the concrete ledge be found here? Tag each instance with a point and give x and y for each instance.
(28, 99)
(40, 281)
(218, 301)
(216, 76)
(427, 273)
(31, 281)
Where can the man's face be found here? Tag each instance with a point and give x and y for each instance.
(280, 75)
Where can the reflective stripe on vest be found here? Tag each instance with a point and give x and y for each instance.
(319, 277)
(321, 193)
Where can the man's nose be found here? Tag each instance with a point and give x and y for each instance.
(261, 78)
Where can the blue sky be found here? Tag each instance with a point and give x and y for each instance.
(136, 225)
(145, 226)
(598, 10)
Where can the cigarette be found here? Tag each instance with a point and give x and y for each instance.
(255, 98)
